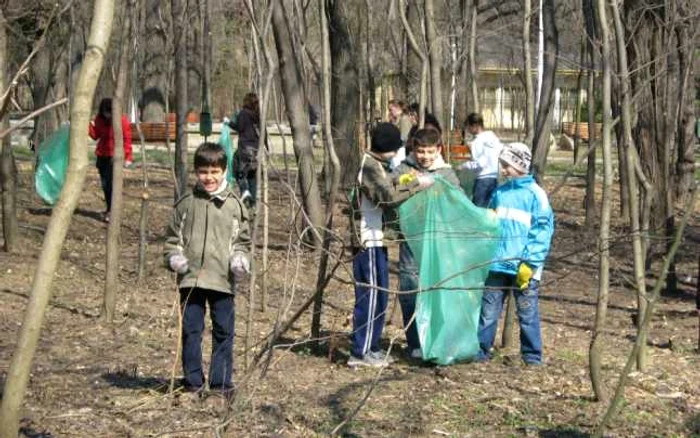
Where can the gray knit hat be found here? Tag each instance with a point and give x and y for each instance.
(517, 156)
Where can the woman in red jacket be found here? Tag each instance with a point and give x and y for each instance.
(101, 130)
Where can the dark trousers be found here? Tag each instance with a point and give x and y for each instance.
(105, 168)
(221, 308)
(248, 181)
(408, 281)
(483, 189)
(371, 270)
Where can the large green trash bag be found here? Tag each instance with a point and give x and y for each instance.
(227, 143)
(52, 162)
(453, 242)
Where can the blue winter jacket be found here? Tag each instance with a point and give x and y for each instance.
(527, 225)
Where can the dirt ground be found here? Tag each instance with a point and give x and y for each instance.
(91, 378)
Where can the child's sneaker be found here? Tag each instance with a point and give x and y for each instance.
(415, 353)
(382, 356)
(366, 361)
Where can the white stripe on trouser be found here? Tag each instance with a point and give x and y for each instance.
(369, 326)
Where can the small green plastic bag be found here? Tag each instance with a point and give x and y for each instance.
(453, 242)
(52, 163)
(226, 142)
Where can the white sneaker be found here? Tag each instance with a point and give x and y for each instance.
(245, 195)
(382, 356)
(366, 361)
(416, 353)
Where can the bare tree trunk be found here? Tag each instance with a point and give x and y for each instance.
(114, 228)
(424, 59)
(545, 113)
(632, 186)
(596, 348)
(577, 109)
(178, 15)
(435, 59)
(589, 200)
(334, 173)
(8, 169)
(155, 64)
(343, 27)
(646, 320)
(529, 89)
(473, 73)
(298, 115)
(21, 364)
(507, 336)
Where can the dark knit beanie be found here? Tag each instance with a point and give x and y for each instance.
(386, 138)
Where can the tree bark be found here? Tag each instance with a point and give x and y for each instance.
(155, 64)
(596, 348)
(334, 173)
(343, 30)
(8, 169)
(473, 72)
(545, 113)
(631, 175)
(298, 115)
(181, 102)
(21, 364)
(114, 228)
(435, 58)
(424, 60)
(527, 74)
(589, 200)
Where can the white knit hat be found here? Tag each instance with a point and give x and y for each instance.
(517, 156)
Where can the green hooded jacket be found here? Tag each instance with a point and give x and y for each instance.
(208, 230)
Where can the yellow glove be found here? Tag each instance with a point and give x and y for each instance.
(524, 275)
(406, 178)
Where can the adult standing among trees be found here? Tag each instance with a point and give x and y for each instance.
(398, 116)
(246, 158)
(101, 130)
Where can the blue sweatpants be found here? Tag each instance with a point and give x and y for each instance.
(371, 270)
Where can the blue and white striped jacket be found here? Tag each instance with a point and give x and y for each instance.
(527, 225)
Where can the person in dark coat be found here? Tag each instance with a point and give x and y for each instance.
(246, 164)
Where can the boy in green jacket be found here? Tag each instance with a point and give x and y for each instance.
(207, 245)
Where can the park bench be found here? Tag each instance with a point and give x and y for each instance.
(154, 132)
(569, 128)
(456, 152)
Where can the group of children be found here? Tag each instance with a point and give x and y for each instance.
(525, 217)
(208, 244)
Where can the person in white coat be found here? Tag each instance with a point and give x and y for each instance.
(485, 149)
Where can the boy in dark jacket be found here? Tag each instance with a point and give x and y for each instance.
(425, 158)
(377, 194)
(207, 245)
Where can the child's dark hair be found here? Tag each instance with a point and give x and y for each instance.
(105, 106)
(427, 137)
(210, 155)
(475, 119)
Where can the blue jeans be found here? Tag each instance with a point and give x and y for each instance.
(221, 307)
(497, 286)
(408, 281)
(483, 189)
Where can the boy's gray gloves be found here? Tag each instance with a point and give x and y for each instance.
(240, 266)
(179, 263)
(425, 181)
